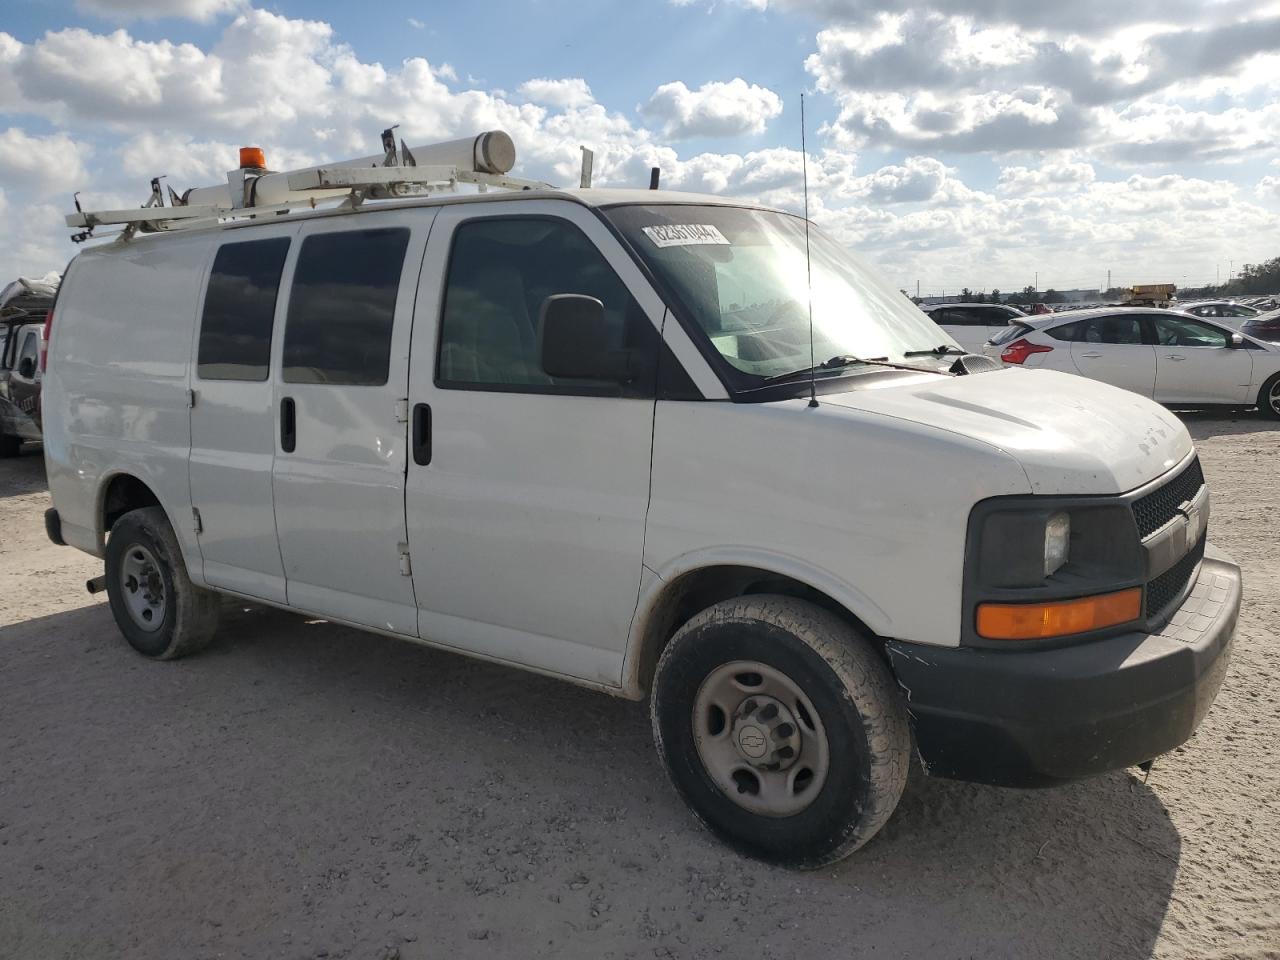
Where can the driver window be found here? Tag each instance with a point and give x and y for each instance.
(1183, 332)
(500, 271)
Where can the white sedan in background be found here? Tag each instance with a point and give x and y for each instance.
(1174, 358)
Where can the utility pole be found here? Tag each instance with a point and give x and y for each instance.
(1037, 281)
(917, 289)
(1108, 278)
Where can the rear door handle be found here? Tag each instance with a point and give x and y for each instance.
(1174, 356)
(1091, 356)
(288, 425)
(421, 434)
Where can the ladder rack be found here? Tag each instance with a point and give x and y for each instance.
(349, 183)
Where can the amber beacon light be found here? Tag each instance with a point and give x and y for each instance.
(252, 158)
(1058, 618)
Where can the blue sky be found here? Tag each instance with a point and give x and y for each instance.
(953, 142)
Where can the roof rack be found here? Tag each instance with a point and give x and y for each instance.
(252, 190)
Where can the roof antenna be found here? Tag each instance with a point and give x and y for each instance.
(808, 271)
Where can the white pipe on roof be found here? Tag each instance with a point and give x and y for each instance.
(490, 152)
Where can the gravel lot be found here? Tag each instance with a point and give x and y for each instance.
(305, 790)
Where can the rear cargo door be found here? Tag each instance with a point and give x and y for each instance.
(342, 376)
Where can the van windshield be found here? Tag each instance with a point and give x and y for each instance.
(740, 275)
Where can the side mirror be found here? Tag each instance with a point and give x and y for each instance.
(573, 342)
(27, 368)
(1236, 340)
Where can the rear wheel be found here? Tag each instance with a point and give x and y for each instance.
(1269, 398)
(782, 729)
(159, 610)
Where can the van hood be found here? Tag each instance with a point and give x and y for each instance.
(1070, 434)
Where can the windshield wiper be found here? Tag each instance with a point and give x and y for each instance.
(848, 360)
(942, 350)
(834, 363)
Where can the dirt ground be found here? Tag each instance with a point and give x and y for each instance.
(305, 790)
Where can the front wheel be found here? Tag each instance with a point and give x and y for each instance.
(10, 446)
(782, 729)
(159, 610)
(1269, 398)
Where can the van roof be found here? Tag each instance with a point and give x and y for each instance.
(593, 197)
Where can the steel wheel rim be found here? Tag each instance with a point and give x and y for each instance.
(142, 588)
(746, 717)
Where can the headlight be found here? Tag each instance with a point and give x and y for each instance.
(1057, 542)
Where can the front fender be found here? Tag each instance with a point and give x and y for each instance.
(655, 589)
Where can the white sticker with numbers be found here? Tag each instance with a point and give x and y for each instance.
(684, 235)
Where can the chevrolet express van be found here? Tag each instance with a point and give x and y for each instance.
(616, 437)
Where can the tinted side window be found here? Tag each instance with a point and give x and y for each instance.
(1117, 330)
(239, 307)
(1068, 331)
(500, 272)
(957, 318)
(30, 348)
(342, 307)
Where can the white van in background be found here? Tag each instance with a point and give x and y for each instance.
(972, 324)
(579, 432)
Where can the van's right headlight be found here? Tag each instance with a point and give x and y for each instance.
(1057, 542)
(1031, 551)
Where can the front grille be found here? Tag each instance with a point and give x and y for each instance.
(1164, 589)
(1160, 506)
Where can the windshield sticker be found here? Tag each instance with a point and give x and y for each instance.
(685, 235)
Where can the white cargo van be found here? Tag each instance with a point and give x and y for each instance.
(572, 431)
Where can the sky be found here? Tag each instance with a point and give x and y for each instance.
(979, 143)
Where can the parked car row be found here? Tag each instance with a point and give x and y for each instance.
(1173, 357)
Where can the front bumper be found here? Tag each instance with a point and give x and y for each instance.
(1042, 717)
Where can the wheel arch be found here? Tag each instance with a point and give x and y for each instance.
(670, 598)
(118, 493)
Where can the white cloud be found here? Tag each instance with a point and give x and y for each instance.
(713, 110)
(569, 92)
(942, 79)
(42, 164)
(125, 109)
(1054, 175)
(202, 10)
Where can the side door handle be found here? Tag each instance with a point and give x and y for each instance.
(1091, 356)
(288, 425)
(1174, 356)
(421, 434)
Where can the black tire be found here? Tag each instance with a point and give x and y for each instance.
(186, 616)
(9, 446)
(1269, 398)
(859, 706)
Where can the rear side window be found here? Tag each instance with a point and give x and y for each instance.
(342, 307)
(1124, 329)
(239, 308)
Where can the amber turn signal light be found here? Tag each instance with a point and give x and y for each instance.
(1058, 618)
(252, 158)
